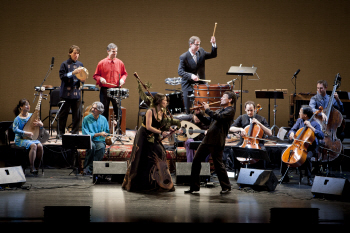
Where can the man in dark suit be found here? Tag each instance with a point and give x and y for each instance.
(192, 67)
(214, 141)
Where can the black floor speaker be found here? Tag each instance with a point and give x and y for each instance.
(12, 176)
(330, 187)
(108, 171)
(183, 172)
(257, 179)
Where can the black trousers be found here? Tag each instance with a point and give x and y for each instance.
(74, 105)
(216, 153)
(105, 100)
(188, 102)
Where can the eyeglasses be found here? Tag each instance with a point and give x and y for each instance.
(197, 45)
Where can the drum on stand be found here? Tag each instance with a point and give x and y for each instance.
(209, 94)
(115, 93)
(176, 102)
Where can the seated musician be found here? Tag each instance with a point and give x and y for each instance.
(305, 114)
(36, 150)
(195, 120)
(243, 121)
(95, 125)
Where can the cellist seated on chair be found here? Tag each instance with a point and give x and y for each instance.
(245, 120)
(305, 114)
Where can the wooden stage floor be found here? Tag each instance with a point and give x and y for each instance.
(109, 204)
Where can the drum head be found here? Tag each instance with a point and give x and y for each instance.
(83, 75)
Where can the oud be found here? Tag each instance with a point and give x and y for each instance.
(29, 126)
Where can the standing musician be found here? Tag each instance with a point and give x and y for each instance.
(36, 150)
(243, 121)
(95, 125)
(214, 141)
(70, 90)
(192, 67)
(110, 73)
(305, 114)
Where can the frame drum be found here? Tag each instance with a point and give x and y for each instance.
(83, 75)
(209, 93)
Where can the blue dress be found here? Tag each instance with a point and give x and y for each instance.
(17, 127)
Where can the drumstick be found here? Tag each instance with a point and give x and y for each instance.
(112, 84)
(214, 29)
(203, 106)
(204, 80)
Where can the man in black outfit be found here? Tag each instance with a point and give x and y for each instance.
(214, 141)
(192, 67)
(243, 121)
(70, 90)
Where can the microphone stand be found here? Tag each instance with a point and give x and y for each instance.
(58, 136)
(47, 74)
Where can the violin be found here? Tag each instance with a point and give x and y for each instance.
(296, 154)
(251, 140)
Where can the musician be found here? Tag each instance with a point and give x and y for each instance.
(322, 99)
(192, 67)
(70, 90)
(36, 150)
(243, 121)
(95, 125)
(214, 141)
(110, 73)
(195, 120)
(305, 114)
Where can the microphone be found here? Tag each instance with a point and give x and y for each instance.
(52, 61)
(296, 73)
(232, 81)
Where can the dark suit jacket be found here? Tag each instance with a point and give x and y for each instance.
(188, 66)
(220, 122)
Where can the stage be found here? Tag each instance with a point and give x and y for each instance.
(59, 186)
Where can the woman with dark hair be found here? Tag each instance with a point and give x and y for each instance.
(36, 150)
(147, 168)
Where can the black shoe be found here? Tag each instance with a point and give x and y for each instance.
(190, 191)
(225, 191)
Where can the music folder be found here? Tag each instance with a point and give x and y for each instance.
(239, 70)
(75, 141)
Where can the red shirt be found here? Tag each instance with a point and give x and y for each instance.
(110, 70)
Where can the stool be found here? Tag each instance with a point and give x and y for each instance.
(21, 155)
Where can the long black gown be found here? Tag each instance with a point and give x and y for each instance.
(147, 167)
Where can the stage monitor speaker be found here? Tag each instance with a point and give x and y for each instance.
(330, 187)
(109, 171)
(183, 172)
(12, 176)
(257, 179)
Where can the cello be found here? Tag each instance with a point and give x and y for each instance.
(251, 140)
(296, 154)
(332, 145)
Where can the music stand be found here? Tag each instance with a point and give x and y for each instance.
(250, 153)
(269, 95)
(75, 142)
(241, 71)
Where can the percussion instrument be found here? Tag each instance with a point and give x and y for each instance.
(209, 93)
(176, 103)
(116, 93)
(83, 75)
(173, 81)
(201, 106)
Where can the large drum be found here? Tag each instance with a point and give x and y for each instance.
(176, 103)
(209, 94)
(117, 93)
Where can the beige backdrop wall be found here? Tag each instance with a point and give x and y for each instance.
(277, 37)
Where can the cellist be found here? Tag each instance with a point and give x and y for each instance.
(305, 114)
(244, 120)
